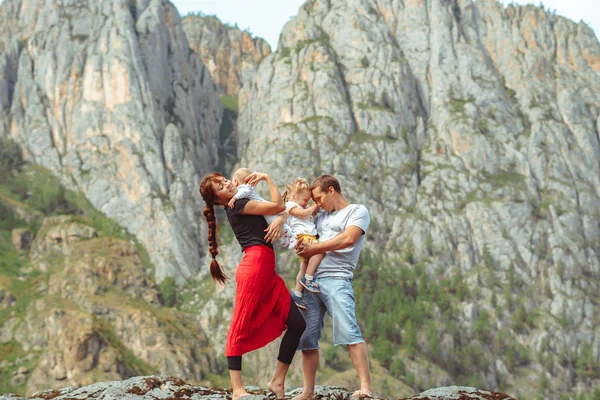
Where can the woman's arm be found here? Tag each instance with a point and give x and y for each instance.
(275, 206)
(275, 229)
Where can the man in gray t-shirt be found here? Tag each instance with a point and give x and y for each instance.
(341, 227)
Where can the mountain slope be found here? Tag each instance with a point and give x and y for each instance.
(471, 132)
(78, 300)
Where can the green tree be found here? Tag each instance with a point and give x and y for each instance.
(434, 342)
(168, 291)
(11, 158)
(384, 352)
(397, 368)
(482, 325)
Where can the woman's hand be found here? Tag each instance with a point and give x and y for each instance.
(256, 177)
(275, 229)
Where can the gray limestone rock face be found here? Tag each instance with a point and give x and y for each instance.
(230, 54)
(109, 97)
(470, 131)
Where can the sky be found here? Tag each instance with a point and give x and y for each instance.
(265, 18)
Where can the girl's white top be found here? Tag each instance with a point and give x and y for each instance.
(300, 226)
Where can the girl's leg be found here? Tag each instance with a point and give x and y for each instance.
(313, 264)
(303, 265)
(287, 349)
(235, 373)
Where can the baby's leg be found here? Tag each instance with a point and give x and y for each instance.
(288, 237)
(313, 264)
(299, 287)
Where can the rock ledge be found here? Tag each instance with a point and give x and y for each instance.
(170, 388)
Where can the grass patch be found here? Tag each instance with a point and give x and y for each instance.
(230, 103)
(505, 178)
(300, 44)
(457, 106)
(364, 137)
(12, 352)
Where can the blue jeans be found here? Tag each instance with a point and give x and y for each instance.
(336, 298)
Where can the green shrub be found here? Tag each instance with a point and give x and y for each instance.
(384, 352)
(168, 291)
(482, 325)
(11, 158)
(230, 103)
(335, 359)
(397, 368)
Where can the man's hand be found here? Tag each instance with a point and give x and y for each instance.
(231, 202)
(306, 250)
(275, 230)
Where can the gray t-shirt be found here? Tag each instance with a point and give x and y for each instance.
(341, 263)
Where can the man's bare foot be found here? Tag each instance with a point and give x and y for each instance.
(277, 389)
(304, 396)
(239, 393)
(363, 393)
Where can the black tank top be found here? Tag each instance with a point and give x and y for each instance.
(248, 229)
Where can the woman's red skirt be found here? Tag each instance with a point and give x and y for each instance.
(262, 303)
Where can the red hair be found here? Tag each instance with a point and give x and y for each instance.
(207, 192)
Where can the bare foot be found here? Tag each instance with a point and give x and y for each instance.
(304, 396)
(276, 389)
(239, 393)
(363, 393)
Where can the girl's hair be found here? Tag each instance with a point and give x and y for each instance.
(299, 185)
(208, 194)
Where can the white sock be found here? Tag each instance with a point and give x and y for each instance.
(297, 293)
(309, 277)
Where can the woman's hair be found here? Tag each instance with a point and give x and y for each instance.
(210, 198)
(299, 185)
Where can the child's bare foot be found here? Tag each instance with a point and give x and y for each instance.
(276, 389)
(239, 393)
(363, 393)
(304, 396)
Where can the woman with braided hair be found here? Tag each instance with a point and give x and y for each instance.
(263, 308)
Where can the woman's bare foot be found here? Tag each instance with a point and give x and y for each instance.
(304, 396)
(239, 393)
(277, 389)
(363, 393)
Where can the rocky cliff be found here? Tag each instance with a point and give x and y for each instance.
(110, 98)
(471, 132)
(230, 54)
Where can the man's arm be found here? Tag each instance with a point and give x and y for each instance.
(345, 239)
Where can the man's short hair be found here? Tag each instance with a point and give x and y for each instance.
(324, 181)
